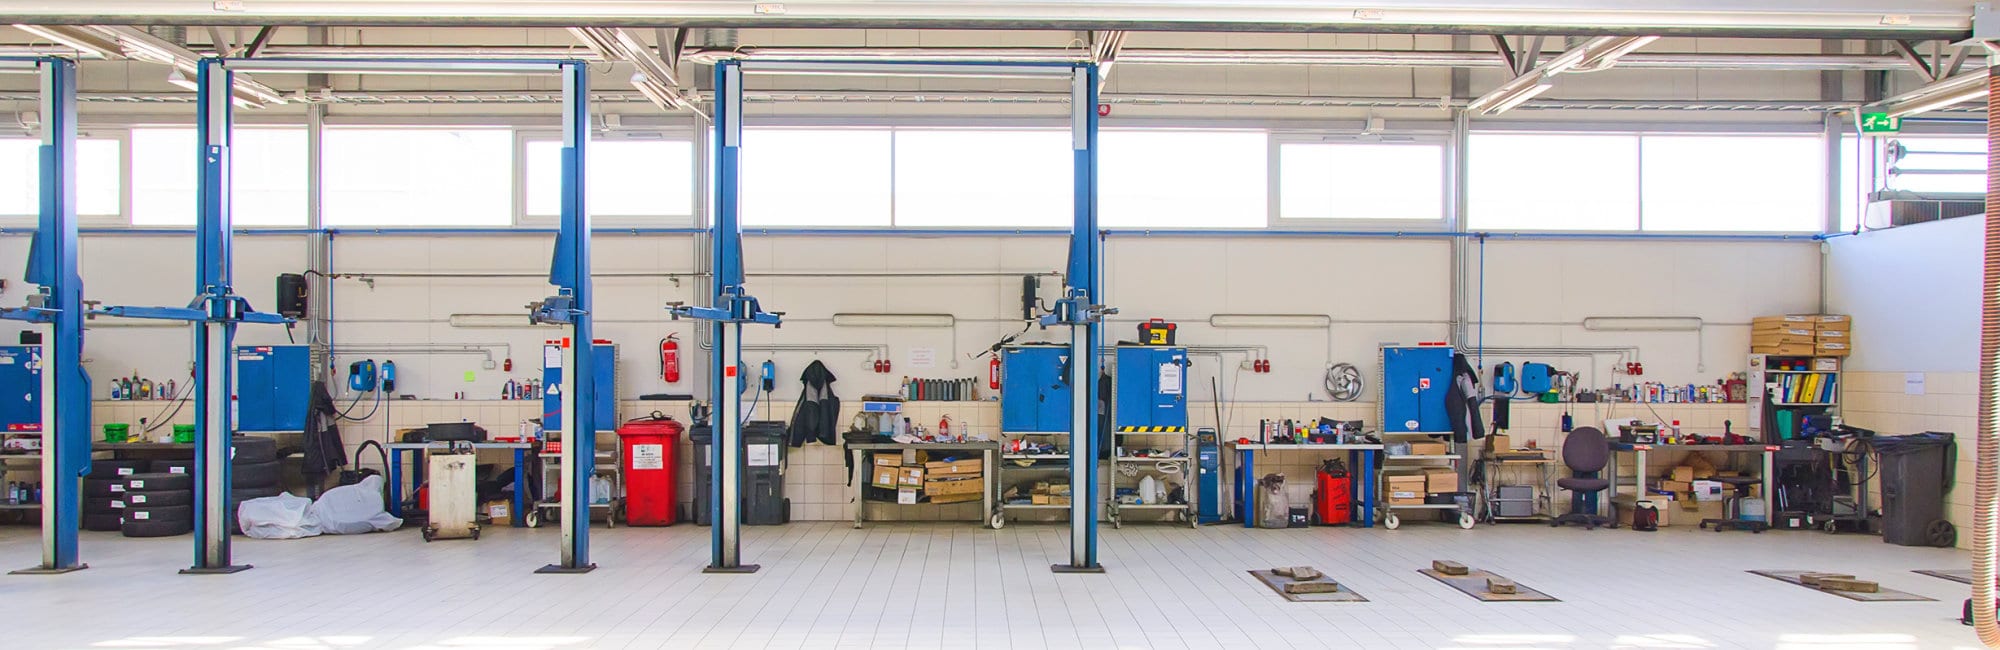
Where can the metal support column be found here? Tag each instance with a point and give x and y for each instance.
(58, 304)
(1080, 310)
(729, 309)
(570, 273)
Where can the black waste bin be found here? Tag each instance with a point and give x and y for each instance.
(1916, 471)
(763, 501)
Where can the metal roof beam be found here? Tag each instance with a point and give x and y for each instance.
(651, 74)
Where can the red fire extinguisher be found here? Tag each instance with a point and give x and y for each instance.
(993, 373)
(670, 359)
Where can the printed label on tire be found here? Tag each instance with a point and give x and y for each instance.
(177, 470)
(138, 484)
(126, 471)
(117, 487)
(649, 457)
(138, 498)
(117, 504)
(142, 515)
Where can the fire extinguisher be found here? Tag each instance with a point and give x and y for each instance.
(670, 359)
(993, 373)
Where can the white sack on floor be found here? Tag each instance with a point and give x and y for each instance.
(279, 517)
(354, 509)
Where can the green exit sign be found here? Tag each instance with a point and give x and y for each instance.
(1880, 123)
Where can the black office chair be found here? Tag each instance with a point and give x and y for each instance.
(1585, 453)
(1733, 507)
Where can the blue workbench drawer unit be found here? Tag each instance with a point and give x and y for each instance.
(1151, 390)
(1034, 389)
(273, 386)
(606, 369)
(20, 388)
(1414, 382)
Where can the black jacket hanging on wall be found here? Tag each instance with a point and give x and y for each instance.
(1461, 402)
(817, 415)
(324, 451)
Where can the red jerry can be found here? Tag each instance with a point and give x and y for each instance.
(647, 461)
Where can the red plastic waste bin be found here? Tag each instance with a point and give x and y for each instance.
(648, 464)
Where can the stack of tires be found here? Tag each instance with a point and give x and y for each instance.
(158, 505)
(253, 473)
(104, 493)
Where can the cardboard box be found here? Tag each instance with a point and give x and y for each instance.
(1039, 499)
(906, 496)
(1782, 336)
(1440, 479)
(910, 476)
(1428, 448)
(1831, 349)
(1627, 503)
(1711, 490)
(1785, 349)
(1681, 474)
(1839, 320)
(1405, 489)
(888, 460)
(885, 477)
(970, 467)
(1677, 487)
(1831, 336)
(1826, 365)
(973, 485)
(954, 498)
(1499, 442)
(499, 510)
(914, 457)
(1801, 321)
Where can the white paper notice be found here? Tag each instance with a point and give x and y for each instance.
(763, 455)
(1913, 383)
(923, 357)
(551, 356)
(649, 457)
(1170, 379)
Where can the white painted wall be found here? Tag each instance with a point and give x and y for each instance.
(1914, 292)
(1374, 289)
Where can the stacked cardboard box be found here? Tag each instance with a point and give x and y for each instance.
(1802, 335)
(1049, 494)
(1406, 489)
(954, 481)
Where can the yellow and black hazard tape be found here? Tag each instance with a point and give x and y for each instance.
(1152, 429)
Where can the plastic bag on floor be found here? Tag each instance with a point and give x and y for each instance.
(354, 509)
(1275, 511)
(278, 517)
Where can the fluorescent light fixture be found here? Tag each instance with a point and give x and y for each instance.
(177, 78)
(1272, 321)
(492, 321)
(1611, 53)
(894, 320)
(1511, 94)
(930, 70)
(76, 39)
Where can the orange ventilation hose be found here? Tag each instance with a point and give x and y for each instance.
(1986, 492)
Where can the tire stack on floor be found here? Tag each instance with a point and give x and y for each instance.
(158, 505)
(253, 473)
(104, 493)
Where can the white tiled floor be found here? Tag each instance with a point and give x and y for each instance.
(954, 585)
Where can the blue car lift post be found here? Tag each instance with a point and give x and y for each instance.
(569, 271)
(58, 304)
(730, 307)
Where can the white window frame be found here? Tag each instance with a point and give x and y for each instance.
(516, 172)
(675, 133)
(129, 192)
(1827, 169)
(1145, 127)
(1274, 173)
(121, 135)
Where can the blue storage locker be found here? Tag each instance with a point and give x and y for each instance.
(606, 369)
(1034, 389)
(20, 388)
(1151, 389)
(273, 387)
(1414, 383)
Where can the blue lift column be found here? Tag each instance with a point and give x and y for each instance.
(58, 304)
(729, 309)
(1080, 310)
(215, 312)
(570, 273)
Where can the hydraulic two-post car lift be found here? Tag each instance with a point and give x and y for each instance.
(217, 310)
(731, 306)
(58, 305)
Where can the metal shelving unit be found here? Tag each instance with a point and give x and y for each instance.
(1010, 474)
(549, 508)
(1142, 466)
(1453, 458)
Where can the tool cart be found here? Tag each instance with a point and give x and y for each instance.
(1152, 469)
(548, 501)
(1414, 380)
(1140, 456)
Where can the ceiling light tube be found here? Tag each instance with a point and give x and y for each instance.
(1955, 90)
(1271, 321)
(894, 320)
(1511, 94)
(1614, 52)
(175, 77)
(70, 37)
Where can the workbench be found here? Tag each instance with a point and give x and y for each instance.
(398, 449)
(989, 456)
(1362, 462)
(1490, 482)
(1639, 451)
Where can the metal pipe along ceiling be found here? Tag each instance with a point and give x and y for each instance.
(1850, 18)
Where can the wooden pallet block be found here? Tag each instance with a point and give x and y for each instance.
(1849, 584)
(1316, 587)
(1300, 573)
(1450, 568)
(1499, 585)
(1813, 579)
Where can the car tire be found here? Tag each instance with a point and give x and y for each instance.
(250, 449)
(115, 469)
(171, 467)
(103, 488)
(102, 522)
(158, 498)
(150, 482)
(240, 495)
(254, 475)
(159, 513)
(113, 506)
(135, 528)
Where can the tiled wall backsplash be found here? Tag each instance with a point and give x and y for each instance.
(816, 475)
(1899, 403)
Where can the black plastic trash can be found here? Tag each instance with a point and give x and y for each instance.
(764, 502)
(1916, 471)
